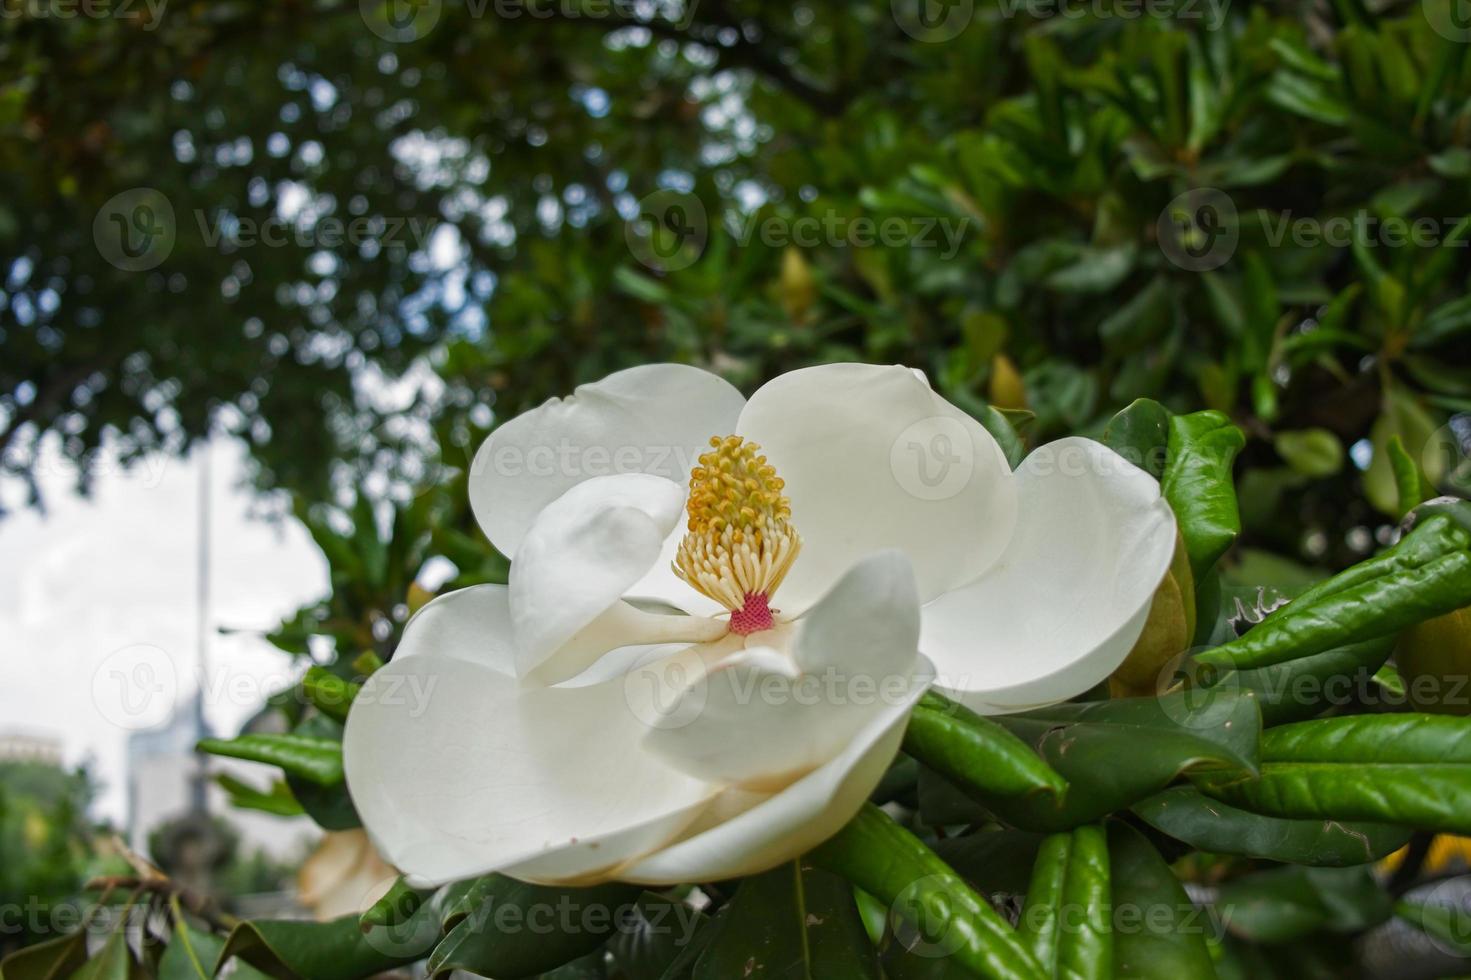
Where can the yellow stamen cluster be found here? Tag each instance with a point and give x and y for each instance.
(740, 540)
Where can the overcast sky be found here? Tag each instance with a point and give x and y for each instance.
(97, 607)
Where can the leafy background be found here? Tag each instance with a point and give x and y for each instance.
(1059, 140)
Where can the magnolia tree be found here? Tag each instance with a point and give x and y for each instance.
(841, 680)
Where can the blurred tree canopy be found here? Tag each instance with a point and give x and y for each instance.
(1249, 208)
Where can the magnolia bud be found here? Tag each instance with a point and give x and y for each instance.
(1434, 658)
(798, 291)
(1006, 388)
(1167, 632)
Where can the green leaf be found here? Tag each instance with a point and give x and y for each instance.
(1161, 738)
(277, 800)
(792, 921)
(1141, 434)
(332, 695)
(335, 950)
(1403, 417)
(1301, 688)
(330, 807)
(1067, 916)
(1426, 575)
(1284, 904)
(1210, 825)
(653, 935)
(1159, 934)
(114, 961)
(55, 959)
(396, 906)
(892, 865)
(1314, 453)
(1408, 484)
(976, 752)
(1197, 484)
(993, 860)
(318, 760)
(1407, 769)
(508, 928)
(192, 954)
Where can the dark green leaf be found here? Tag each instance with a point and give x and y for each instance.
(318, 760)
(55, 959)
(396, 906)
(1067, 916)
(976, 752)
(335, 950)
(1141, 434)
(277, 800)
(653, 934)
(1197, 483)
(1159, 934)
(1284, 904)
(795, 921)
(1211, 825)
(331, 694)
(1298, 689)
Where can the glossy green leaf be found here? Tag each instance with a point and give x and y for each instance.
(331, 695)
(944, 913)
(1210, 825)
(975, 752)
(318, 760)
(1067, 918)
(397, 905)
(994, 861)
(1161, 738)
(1427, 574)
(793, 921)
(54, 959)
(1407, 769)
(653, 934)
(1141, 434)
(192, 954)
(1408, 484)
(1198, 484)
(508, 928)
(1299, 689)
(1159, 934)
(335, 950)
(277, 799)
(1284, 904)
(330, 807)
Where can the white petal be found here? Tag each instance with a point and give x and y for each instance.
(761, 718)
(766, 830)
(583, 551)
(656, 418)
(458, 771)
(472, 624)
(873, 459)
(1064, 605)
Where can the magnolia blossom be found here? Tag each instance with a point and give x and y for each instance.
(720, 613)
(343, 876)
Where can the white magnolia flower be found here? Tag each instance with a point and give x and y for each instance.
(720, 613)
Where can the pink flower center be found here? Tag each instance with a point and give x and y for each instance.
(753, 617)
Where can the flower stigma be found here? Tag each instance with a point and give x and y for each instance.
(740, 542)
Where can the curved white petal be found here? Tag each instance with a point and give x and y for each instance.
(762, 718)
(458, 770)
(873, 459)
(656, 418)
(472, 624)
(1066, 602)
(744, 833)
(583, 551)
